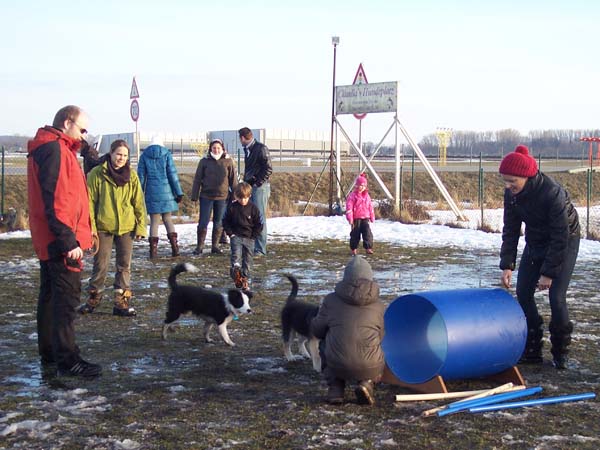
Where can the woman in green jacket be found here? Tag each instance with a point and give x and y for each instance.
(118, 215)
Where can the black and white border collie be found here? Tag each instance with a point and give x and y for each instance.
(296, 316)
(211, 306)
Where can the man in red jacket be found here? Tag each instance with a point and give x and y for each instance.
(59, 220)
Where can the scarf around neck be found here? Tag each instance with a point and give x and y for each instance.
(120, 176)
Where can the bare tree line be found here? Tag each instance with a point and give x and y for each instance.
(495, 144)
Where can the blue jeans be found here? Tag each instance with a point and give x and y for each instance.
(260, 197)
(242, 252)
(217, 207)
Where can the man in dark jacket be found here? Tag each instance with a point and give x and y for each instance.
(351, 322)
(59, 220)
(257, 170)
(552, 236)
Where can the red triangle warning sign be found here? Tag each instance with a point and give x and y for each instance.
(134, 90)
(360, 77)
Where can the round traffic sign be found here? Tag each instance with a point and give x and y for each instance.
(135, 110)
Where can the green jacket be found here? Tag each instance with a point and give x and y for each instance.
(116, 209)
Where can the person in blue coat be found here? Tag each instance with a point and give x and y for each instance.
(162, 191)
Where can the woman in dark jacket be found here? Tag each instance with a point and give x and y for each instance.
(213, 183)
(552, 236)
(351, 322)
(162, 192)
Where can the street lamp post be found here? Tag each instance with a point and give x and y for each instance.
(335, 40)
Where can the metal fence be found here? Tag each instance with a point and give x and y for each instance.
(478, 196)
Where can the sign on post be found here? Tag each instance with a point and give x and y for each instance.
(134, 90)
(367, 98)
(134, 110)
(360, 78)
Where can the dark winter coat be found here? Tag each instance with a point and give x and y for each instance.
(214, 178)
(351, 322)
(550, 218)
(243, 221)
(257, 164)
(159, 180)
(59, 217)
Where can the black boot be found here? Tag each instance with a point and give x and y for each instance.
(533, 346)
(335, 393)
(153, 247)
(560, 336)
(200, 236)
(216, 235)
(223, 239)
(173, 241)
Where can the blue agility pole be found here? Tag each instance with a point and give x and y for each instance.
(489, 400)
(534, 402)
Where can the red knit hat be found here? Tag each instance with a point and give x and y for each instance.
(519, 163)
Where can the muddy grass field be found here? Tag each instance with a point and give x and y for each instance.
(183, 393)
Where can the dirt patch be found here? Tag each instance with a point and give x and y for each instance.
(184, 393)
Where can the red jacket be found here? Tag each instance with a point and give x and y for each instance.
(59, 216)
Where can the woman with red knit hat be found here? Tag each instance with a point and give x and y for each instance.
(552, 236)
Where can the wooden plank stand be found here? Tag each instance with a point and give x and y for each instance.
(438, 385)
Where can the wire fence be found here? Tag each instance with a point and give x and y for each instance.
(474, 185)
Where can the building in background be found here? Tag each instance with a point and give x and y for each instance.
(281, 142)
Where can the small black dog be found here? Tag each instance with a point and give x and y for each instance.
(211, 306)
(295, 322)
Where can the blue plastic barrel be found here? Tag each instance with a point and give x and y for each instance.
(466, 333)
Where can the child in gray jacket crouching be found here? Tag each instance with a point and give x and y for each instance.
(350, 324)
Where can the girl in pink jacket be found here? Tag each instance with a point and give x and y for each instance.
(359, 212)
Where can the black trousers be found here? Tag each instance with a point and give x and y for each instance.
(60, 290)
(529, 273)
(361, 227)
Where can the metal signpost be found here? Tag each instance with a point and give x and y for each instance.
(134, 111)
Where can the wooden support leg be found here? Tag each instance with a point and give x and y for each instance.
(435, 385)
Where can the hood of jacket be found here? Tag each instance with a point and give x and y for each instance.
(49, 134)
(358, 292)
(155, 151)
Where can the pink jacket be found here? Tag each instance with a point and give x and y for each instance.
(359, 206)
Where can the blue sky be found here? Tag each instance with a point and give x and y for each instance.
(464, 64)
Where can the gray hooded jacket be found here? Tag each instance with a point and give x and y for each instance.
(351, 322)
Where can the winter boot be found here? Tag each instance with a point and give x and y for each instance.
(223, 239)
(365, 393)
(173, 241)
(201, 236)
(245, 284)
(122, 307)
(335, 393)
(216, 235)
(153, 247)
(93, 300)
(236, 274)
(561, 339)
(533, 346)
